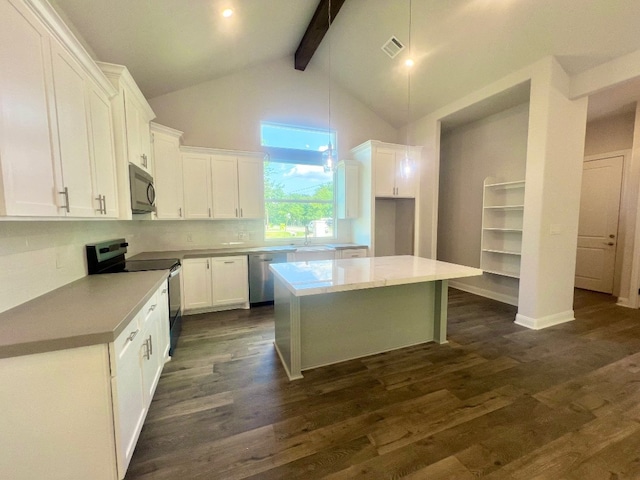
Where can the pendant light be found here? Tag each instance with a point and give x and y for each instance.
(329, 162)
(406, 169)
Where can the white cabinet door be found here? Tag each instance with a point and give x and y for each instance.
(347, 190)
(224, 186)
(152, 360)
(168, 176)
(230, 280)
(105, 183)
(196, 274)
(145, 141)
(29, 179)
(128, 392)
(73, 134)
(138, 135)
(196, 172)
(406, 174)
(385, 172)
(251, 187)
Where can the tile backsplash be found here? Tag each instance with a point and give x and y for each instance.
(39, 256)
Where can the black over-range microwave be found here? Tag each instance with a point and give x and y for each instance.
(143, 195)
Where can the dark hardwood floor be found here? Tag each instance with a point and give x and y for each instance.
(498, 401)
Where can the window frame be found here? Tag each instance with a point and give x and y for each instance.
(298, 157)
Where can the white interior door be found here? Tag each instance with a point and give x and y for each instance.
(598, 224)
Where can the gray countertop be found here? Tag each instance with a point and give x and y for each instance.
(89, 311)
(238, 250)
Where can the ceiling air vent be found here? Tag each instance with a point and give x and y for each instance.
(393, 47)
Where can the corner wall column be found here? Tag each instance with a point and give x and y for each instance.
(555, 152)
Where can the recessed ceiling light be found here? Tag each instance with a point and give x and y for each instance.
(409, 62)
(227, 12)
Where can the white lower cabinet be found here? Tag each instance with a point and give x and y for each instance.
(352, 253)
(309, 256)
(77, 413)
(217, 283)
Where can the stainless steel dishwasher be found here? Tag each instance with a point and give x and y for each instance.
(260, 278)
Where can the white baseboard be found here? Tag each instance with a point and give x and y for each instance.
(544, 322)
(218, 308)
(624, 302)
(500, 297)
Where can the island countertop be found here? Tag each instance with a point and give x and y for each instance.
(89, 311)
(327, 276)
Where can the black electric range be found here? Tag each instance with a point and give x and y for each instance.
(109, 257)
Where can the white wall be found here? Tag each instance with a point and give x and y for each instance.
(37, 257)
(495, 146)
(226, 112)
(610, 134)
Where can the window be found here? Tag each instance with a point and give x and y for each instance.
(298, 189)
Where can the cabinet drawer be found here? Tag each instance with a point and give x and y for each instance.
(147, 311)
(125, 340)
(354, 253)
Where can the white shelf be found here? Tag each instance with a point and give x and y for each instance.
(503, 274)
(502, 252)
(504, 207)
(502, 217)
(505, 185)
(492, 229)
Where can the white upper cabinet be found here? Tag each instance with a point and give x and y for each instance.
(105, 186)
(396, 172)
(45, 127)
(238, 186)
(167, 163)
(222, 184)
(196, 174)
(251, 186)
(73, 134)
(29, 178)
(347, 191)
(132, 140)
(224, 176)
(137, 120)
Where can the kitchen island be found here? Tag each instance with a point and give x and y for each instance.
(329, 311)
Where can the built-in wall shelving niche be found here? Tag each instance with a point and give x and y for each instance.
(502, 214)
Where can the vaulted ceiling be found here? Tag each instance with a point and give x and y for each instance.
(458, 45)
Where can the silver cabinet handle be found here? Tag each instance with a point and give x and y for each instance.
(236, 213)
(99, 199)
(153, 307)
(164, 290)
(207, 264)
(611, 244)
(241, 214)
(132, 335)
(150, 345)
(180, 212)
(65, 192)
(209, 212)
(104, 204)
(144, 159)
(146, 353)
(230, 261)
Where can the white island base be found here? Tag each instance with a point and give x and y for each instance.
(335, 310)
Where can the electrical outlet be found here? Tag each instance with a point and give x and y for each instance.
(242, 235)
(189, 238)
(59, 263)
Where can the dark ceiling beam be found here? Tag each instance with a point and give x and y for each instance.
(316, 31)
